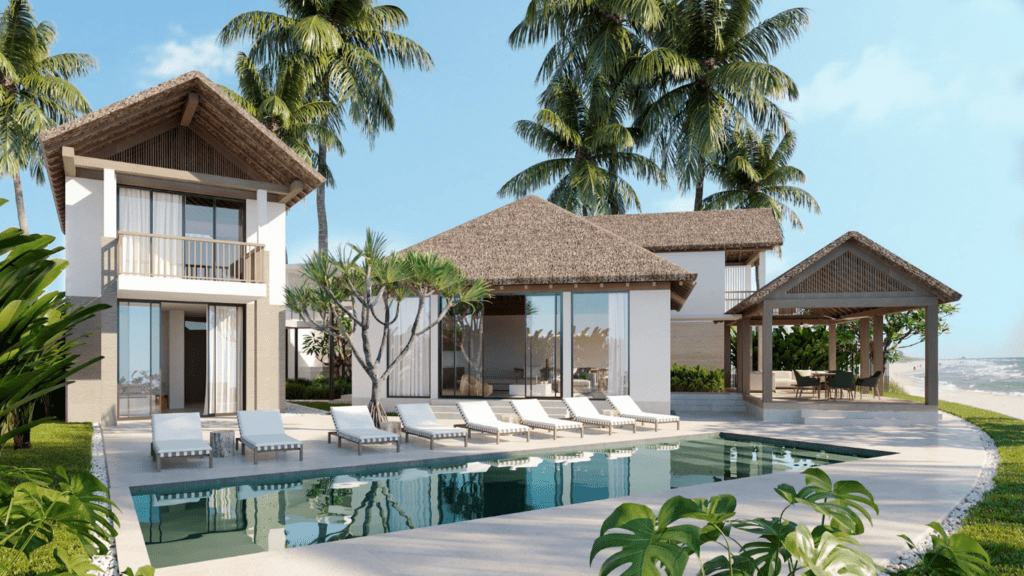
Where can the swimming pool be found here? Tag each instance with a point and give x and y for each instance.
(217, 520)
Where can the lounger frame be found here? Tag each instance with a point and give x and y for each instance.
(256, 449)
(647, 417)
(181, 454)
(552, 424)
(359, 442)
(489, 429)
(444, 432)
(608, 422)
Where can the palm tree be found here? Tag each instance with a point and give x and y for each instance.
(345, 44)
(755, 172)
(589, 150)
(36, 92)
(278, 96)
(724, 79)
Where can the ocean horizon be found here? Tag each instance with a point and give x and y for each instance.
(992, 375)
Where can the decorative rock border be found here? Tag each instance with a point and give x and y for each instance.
(952, 522)
(107, 564)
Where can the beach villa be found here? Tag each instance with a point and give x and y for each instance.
(173, 202)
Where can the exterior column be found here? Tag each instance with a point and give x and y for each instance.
(765, 344)
(261, 215)
(879, 335)
(743, 355)
(865, 345)
(109, 203)
(931, 355)
(831, 346)
(727, 360)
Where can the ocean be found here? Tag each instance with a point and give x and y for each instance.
(996, 375)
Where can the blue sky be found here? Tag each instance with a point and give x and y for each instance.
(910, 127)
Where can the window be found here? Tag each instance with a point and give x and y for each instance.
(600, 344)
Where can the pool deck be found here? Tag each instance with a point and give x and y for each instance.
(934, 466)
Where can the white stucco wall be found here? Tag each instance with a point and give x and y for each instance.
(650, 349)
(273, 238)
(708, 296)
(83, 225)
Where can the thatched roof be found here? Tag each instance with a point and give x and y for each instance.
(903, 273)
(218, 126)
(751, 229)
(532, 241)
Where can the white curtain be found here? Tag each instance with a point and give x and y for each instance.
(167, 221)
(224, 360)
(133, 216)
(618, 343)
(411, 376)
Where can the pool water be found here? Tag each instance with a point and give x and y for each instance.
(204, 522)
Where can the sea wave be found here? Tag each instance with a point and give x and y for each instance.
(991, 375)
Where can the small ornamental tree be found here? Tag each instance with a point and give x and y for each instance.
(369, 285)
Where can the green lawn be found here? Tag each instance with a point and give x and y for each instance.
(325, 406)
(53, 444)
(997, 522)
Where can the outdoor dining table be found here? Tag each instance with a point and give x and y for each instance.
(825, 381)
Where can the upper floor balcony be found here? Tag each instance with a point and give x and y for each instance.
(163, 256)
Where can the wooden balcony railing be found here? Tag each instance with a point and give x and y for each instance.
(194, 258)
(734, 297)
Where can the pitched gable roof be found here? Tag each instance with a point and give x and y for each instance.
(750, 229)
(532, 241)
(213, 122)
(847, 273)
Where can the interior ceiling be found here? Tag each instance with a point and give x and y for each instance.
(189, 307)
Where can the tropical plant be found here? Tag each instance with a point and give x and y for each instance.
(346, 45)
(755, 172)
(949, 555)
(36, 93)
(369, 285)
(37, 358)
(318, 345)
(720, 80)
(649, 544)
(581, 129)
(278, 96)
(696, 379)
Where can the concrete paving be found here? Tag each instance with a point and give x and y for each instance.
(932, 469)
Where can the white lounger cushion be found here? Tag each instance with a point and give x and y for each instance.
(354, 424)
(583, 410)
(419, 419)
(628, 408)
(533, 414)
(263, 430)
(479, 416)
(178, 435)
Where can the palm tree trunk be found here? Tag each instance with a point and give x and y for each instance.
(19, 200)
(321, 203)
(698, 193)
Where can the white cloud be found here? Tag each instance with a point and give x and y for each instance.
(883, 83)
(203, 53)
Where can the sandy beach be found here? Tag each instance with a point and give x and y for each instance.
(900, 373)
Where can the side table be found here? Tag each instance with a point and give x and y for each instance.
(222, 442)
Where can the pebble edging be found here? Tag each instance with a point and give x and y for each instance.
(107, 564)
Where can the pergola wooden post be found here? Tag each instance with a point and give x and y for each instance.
(743, 355)
(765, 345)
(831, 345)
(727, 360)
(878, 328)
(865, 346)
(931, 355)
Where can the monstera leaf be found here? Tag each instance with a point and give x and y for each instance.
(843, 503)
(956, 555)
(830, 555)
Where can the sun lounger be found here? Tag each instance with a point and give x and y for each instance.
(478, 416)
(628, 409)
(532, 414)
(582, 410)
(419, 420)
(263, 431)
(353, 423)
(178, 435)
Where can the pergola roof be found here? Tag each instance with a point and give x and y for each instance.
(730, 230)
(187, 123)
(853, 277)
(532, 241)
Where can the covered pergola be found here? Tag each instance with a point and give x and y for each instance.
(853, 279)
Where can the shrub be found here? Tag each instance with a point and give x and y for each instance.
(315, 390)
(697, 379)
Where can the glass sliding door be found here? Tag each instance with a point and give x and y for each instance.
(224, 360)
(543, 349)
(462, 352)
(199, 224)
(411, 376)
(138, 359)
(600, 344)
(229, 225)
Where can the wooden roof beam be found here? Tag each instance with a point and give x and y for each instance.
(190, 108)
(294, 190)
(85, 162)
(69, 162)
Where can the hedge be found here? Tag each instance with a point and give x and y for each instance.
(697, 379)
(315, 390)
